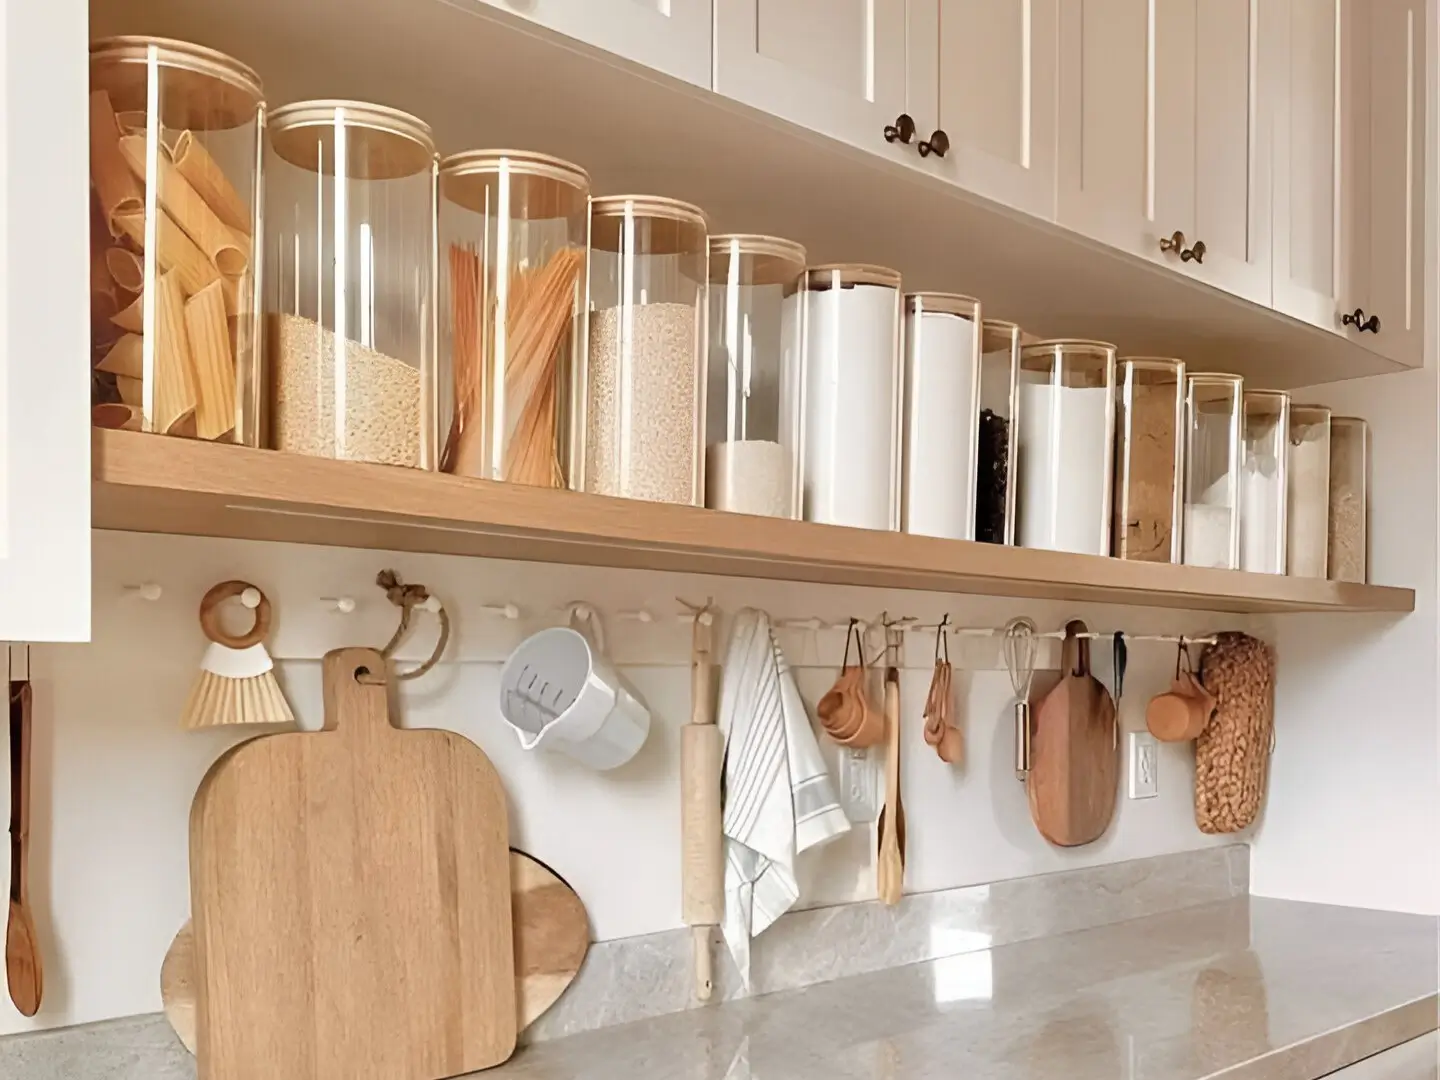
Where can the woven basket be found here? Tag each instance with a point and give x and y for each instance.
(1232, 754)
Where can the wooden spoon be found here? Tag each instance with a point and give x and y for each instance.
(890, 870)
(24, 971)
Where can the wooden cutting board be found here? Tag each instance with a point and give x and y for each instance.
(550, 927)
(1075, 760)
(350, 890)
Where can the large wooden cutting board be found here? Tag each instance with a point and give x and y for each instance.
(1075, 757)
(350, 890)
(550, 927)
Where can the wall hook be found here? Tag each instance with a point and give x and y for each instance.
(149, 590)
(339, 605)
(505, 611)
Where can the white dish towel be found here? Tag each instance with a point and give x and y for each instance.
(778, 797)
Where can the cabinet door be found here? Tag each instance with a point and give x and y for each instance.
(983, 71)
(1389, 260)
(44, 323)
(1161, 129)
(1314, 200)
(834, 66)
(672, 36)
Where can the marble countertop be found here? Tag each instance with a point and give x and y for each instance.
(1250, 989)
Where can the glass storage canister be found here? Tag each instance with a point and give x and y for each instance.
(754, 428)
(642, 424)
(996, 458)
(1066, 445)
(1263, 472)
(172, 264)
(1308, 512)
(1349, 491)
(513, 229)
(1212, 470)
(1149, 422)
(350, 241)
(942, 390)
(854, 383)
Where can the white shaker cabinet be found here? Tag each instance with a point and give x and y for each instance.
(983, 71)
(44, 323)
(1163, 128)
(671, 36)
(834, 66)
(1387, 169)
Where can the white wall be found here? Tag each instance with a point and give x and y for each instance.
(114, 775)
(1354, 798)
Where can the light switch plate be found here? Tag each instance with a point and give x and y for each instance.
(1144, 765)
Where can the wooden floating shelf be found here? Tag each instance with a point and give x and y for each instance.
(147, 483)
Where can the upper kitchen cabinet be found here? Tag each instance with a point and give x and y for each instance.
(44, 323)
(983, 72)
(1388, 171)
(1164, 130)
(672, 36)
(833, 66)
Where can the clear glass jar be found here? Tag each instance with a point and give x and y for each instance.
(853, 377)
(643, 422)
(1263, 475)
(755, 397)
(1149, 422)
(1066, 445)
(1308, 513)
(351, 249)
(172, 282)
(1349, 499)
(512, 225)
(942, 418)
(1212, 470)
(997, 432)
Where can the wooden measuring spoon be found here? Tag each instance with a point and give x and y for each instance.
(24, 971)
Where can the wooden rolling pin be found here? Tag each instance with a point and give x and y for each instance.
(702, 851)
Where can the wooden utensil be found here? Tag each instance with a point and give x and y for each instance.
(549, 924)
(24, 970)
(1074, 768)
(702, 750)
(940, 730)
(890, 868)
(845, 710)
(351, 896)
(1182, 713)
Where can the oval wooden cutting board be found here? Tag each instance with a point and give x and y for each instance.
(551, 931)
(1075, 759)
(350, 890)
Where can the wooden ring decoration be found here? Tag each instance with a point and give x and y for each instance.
(210, 616)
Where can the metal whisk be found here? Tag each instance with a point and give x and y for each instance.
(1020, 644)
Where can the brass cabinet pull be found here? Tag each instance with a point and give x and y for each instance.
(1175, 243)
(1196, 252)
(1360, 322)
(903, 130)
(938, 144)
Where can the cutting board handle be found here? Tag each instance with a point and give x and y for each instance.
(356, 688)
(1075, 652)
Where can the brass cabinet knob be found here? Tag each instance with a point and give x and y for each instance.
(1360, 322)
(1195, 253)
(1175, 244)
(938, 144)
(903, 130)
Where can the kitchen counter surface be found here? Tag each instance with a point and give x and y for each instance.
(1248, 989)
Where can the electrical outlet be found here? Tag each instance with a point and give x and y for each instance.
(1144, 765)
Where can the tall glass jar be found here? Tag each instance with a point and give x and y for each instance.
(1349, 493)
(942, 390)
(997, 432)
(1263, 478)
(643, 422)
(172, 283)
(1308, 514)
(755, 398)
(853, 396)
(1149, 421)
(512, 225)
(1067, 445)
(1212, 470)
(350, 239)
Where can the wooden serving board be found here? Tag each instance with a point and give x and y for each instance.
(350, 890)
(1075, 759)
(551, 931)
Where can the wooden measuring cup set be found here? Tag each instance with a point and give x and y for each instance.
(1181, 713)
(846, 712)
